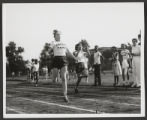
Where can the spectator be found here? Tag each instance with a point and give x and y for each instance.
(125, 64)
(116, 66)
(97, 66)
(136, 63)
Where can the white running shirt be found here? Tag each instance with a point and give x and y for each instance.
(59, 48)
(81, 57)
(97, 57)
(36, 67)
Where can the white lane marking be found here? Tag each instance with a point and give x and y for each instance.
(59, 105)
(15, 110)
(92, 99)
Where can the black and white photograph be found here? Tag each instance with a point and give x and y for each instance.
(72, 60)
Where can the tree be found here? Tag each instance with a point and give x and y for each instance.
(15, 62)
(46, 57)
(107, 54)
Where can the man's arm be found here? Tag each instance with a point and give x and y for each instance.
(88, 52)
(68, 52)
(102, 58)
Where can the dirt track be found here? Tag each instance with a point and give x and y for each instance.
(23, 97)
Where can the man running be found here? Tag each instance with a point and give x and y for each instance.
(28, 67)
(60, 61)
(81, 67)
(36, 72)
(32, 69)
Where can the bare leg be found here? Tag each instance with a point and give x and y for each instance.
(117, 80)
(114, 81)
(78, 81)
(55, 75)
(87, 79)
(123, 75)
(77, 84)
(64, 82)
(36, 78)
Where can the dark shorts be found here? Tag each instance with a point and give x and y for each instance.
(59, 62)
(81, 70)
(36, 75)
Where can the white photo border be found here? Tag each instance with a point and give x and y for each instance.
(142, 114)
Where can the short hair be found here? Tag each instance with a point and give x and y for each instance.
(134, 39)
(55, 32)
(96, 46)
(123, 44)
(32, 60)
(139, 36)
(36, 61)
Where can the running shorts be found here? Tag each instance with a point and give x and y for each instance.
(81, 70)
(59, 62)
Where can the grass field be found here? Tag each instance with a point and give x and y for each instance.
(23, 97)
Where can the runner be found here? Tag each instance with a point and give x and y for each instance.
(28, 67)
(81, 69)
(60, 61)
(32, 69)
(36, 72)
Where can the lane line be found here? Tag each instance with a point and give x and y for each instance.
(15, 110)
(60, 105)
(90, 99)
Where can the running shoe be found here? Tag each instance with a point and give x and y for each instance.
(134, 85)
(66, 99)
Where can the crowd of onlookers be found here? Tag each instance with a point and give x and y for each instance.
(122, 65)
(123, 61)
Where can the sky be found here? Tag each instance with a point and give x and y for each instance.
(31, 25)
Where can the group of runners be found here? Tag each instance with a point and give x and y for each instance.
(130, 60)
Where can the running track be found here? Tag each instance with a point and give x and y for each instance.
(23, 98)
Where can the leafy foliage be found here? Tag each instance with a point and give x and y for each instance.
(46, 57)
(15, 62)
